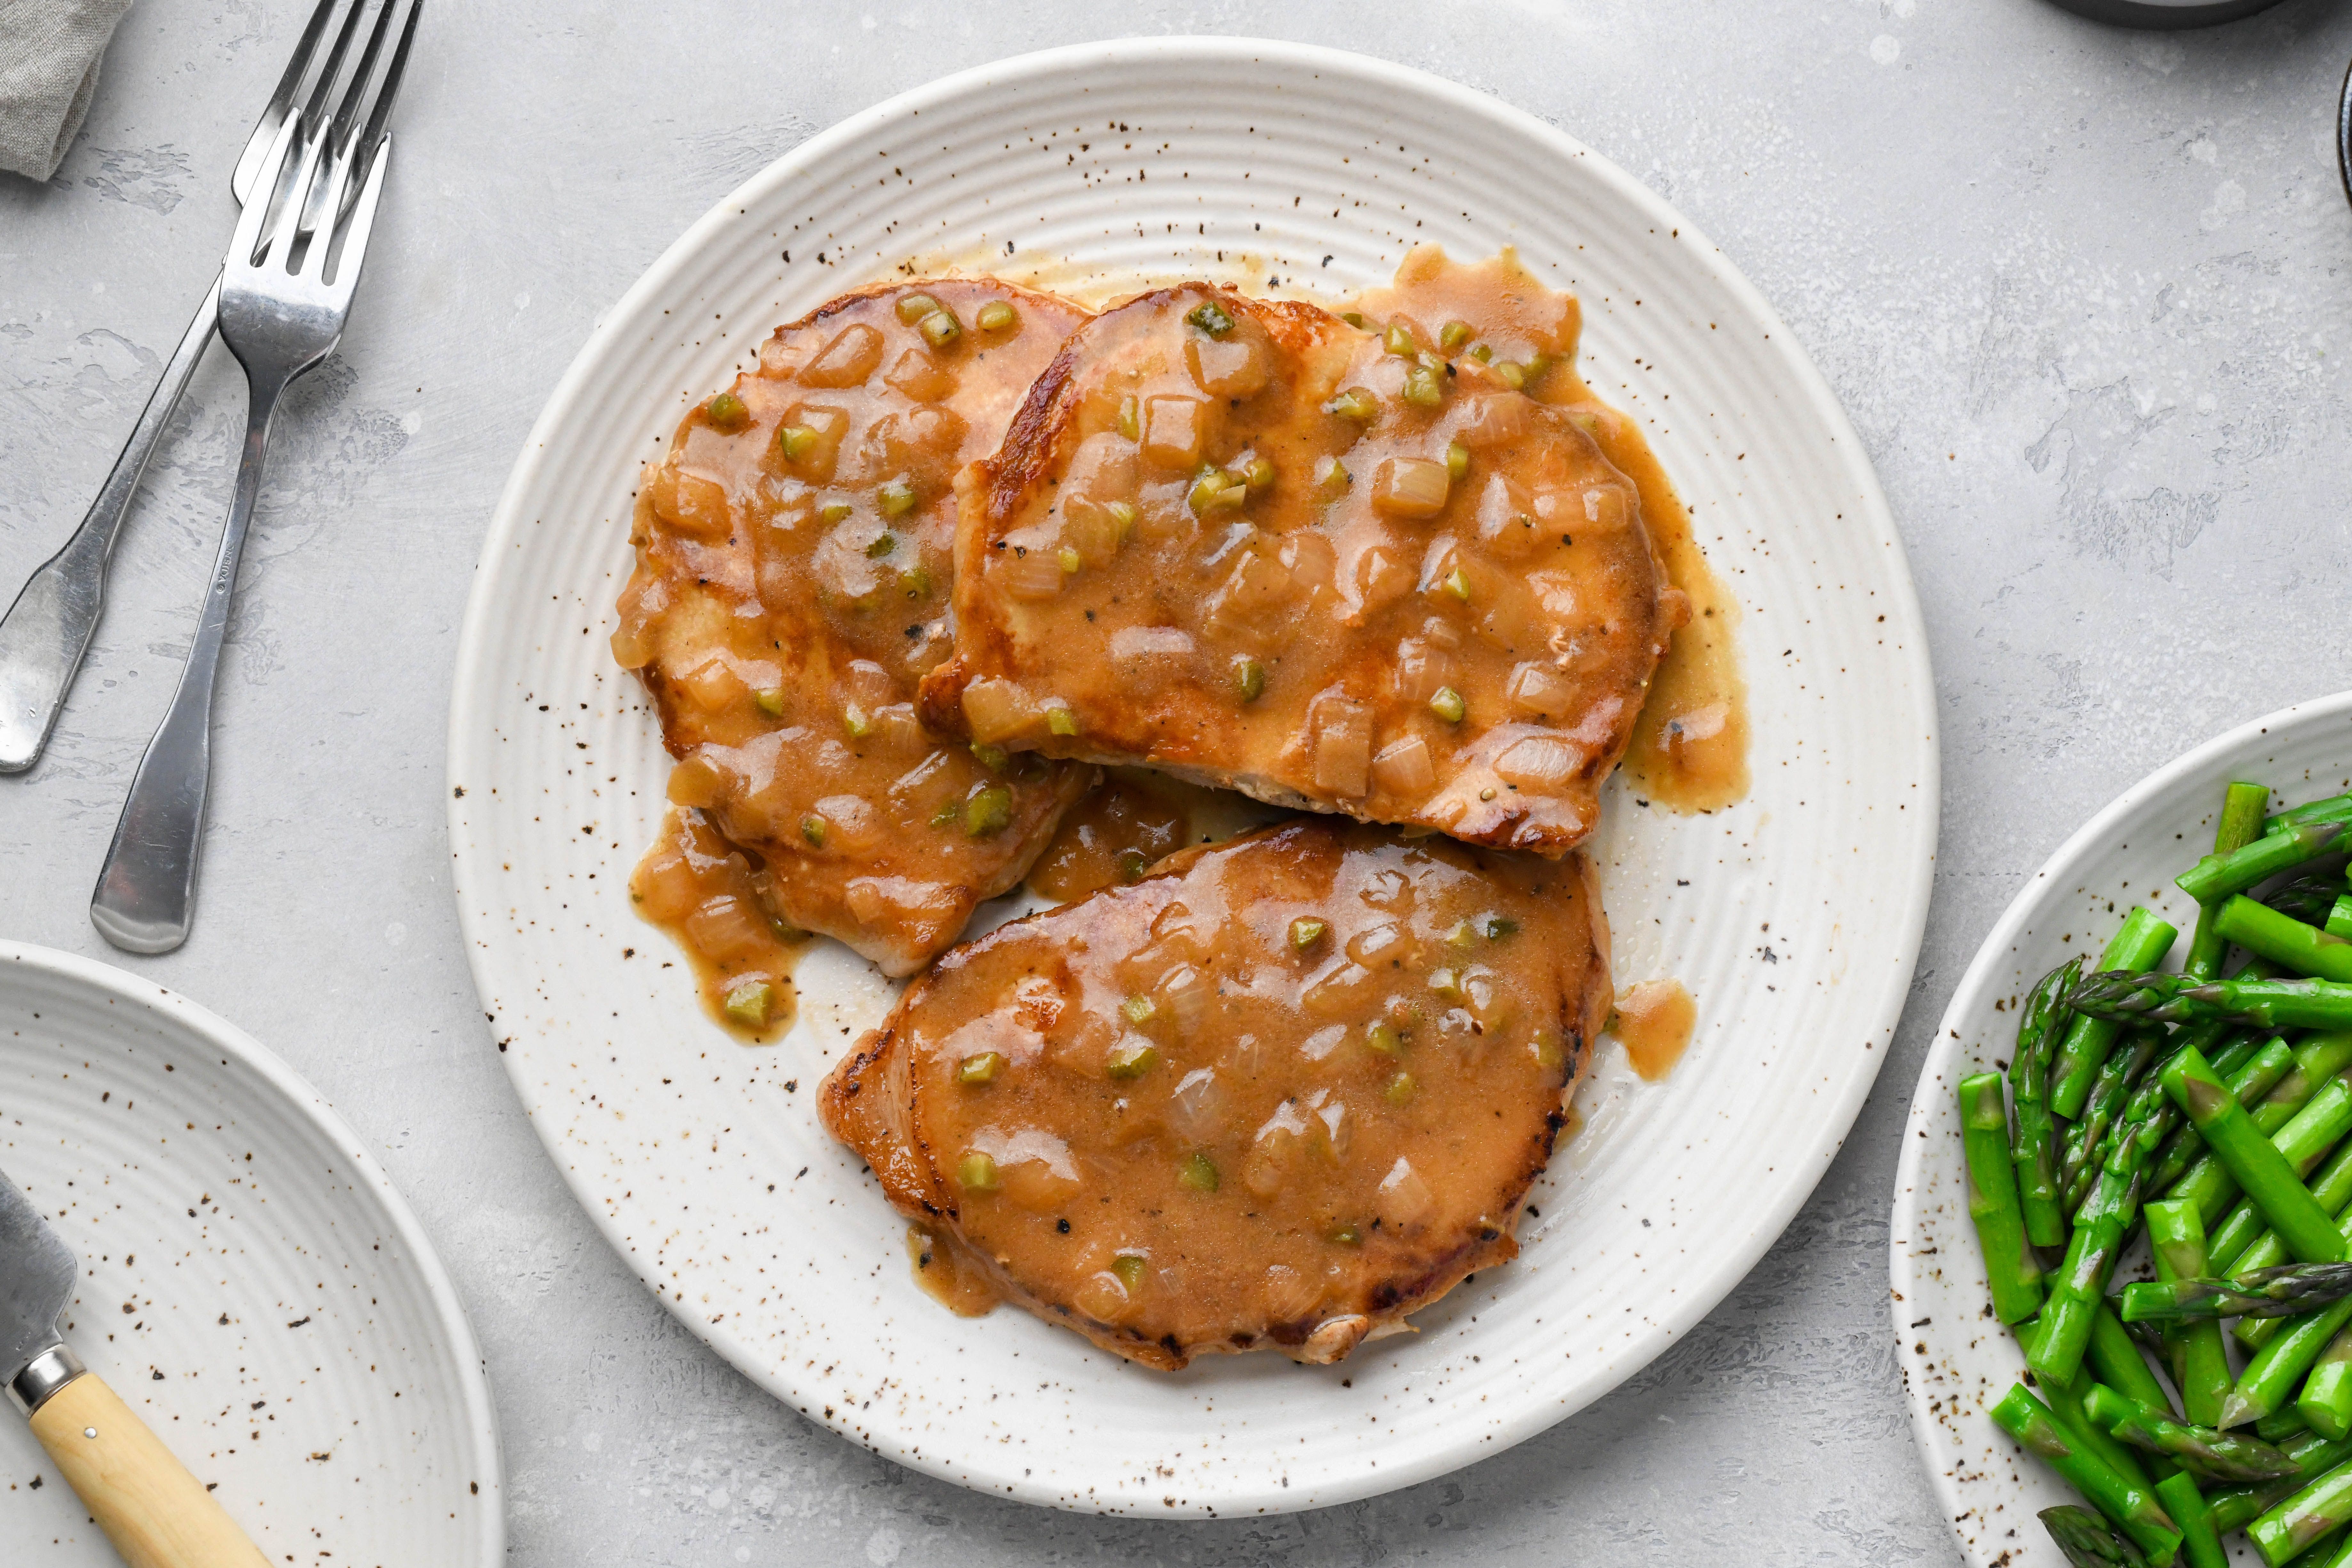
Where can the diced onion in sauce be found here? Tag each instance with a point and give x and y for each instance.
(1343, 743)
(1403, 768)
(1541, 690)
(697, 782)
(1030, 576)
(1538, 763)
(1175, 429)
(997, 708)
(848, 360)
(1410, 487)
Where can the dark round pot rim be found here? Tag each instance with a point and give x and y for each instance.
(2166, 12)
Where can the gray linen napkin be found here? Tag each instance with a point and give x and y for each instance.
(50, 51)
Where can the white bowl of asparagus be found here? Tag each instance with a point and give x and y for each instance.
(2122, 1238)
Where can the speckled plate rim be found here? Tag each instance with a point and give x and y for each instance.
(1961, 1024)
(1692, 1298)
(479, 1417)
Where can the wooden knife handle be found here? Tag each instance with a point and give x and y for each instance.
(157, 1515)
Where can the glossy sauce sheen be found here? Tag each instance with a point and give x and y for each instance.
(1441, 609)
(709, 897)
(1689, 751)
(1175, 1121)
(1125, 826)
(793, 559)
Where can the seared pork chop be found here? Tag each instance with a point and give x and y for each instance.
(1250, 544)
(792, 589)
(1277, 1095)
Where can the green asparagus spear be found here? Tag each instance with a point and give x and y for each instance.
(2334, 809)
(2320, 1553)
(2239, 825)
(2291, 1290)
(2106, 1218)
(2260, 1169)
(2305, 1139)
(2325, 1402)
(2157, 997)
(2271, 1377)
(2011, 1270)
(2200, 1544)
(2065, 1403)
(2215, 877)
(2318, 1508)
(2226, 1045)
(2217, 1456)
(2085, 1540)
(2209, 1182)
(2306, 898)
(2333, 1192)
(2131, 1505)
(2201, 1366)
(2258, 1072)
(2283, 940)
(2234, 1508)
(2075, 1292)
(2139, 945)
(2034, 1148)
(2339, 917)
(2111, 1085)
(2281, 1425)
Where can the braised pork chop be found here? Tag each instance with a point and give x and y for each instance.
(791, 588)
(1250, 544)
(1277, 1095)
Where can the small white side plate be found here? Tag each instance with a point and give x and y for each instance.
(251, 1286)
(1957, 1359)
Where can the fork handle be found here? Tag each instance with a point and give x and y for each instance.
(147, 889)
(46, 631)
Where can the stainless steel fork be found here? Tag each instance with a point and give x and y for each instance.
(283, 303)
(47, 632)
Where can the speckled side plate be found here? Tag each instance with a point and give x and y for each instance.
(1957, 1359)
(1794, 917)
(252, 1286)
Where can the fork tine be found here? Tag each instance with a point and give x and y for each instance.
(347, 112)
(281, 99)
(322, 85)
(363, 223)
(375, 139)
(331, 197)
(288, 226)
(247, 239)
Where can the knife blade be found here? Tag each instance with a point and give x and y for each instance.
(37, 1281)
(156, 1512)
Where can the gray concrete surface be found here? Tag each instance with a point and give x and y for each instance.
(2085, 293)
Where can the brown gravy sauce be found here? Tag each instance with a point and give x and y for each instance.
(710, 898)
(1124, 825)
(1652, 1022)
(947, 1276)
(1689, 751)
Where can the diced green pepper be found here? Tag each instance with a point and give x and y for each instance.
(976, 1172)
(988, 813)
(749, 1004)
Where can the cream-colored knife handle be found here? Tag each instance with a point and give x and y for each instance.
(157, 1515)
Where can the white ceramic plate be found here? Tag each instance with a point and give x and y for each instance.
(1794, 918)
(252, 1286)
(1957, 1360)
